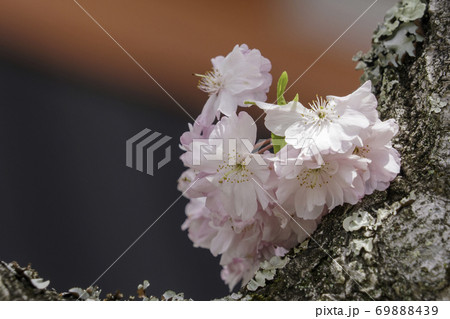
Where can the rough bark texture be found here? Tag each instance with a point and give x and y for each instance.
(17, 283)
(410, 253)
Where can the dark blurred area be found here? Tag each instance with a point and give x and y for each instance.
(70, 98)
(70, 206)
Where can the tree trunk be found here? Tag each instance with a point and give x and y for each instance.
(395, 243)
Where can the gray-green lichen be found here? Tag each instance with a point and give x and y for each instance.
(362, 218)
(235, 297)
(266, 271)
(23, 283)
(357, 244)
(358, 220)
(91, 293)
(29, 274)
(169, 295)
(395, 38)
(437, 103)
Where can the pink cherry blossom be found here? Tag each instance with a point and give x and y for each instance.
(267, 235)
(196, 131)
(312, 185)
(198, 223)
(234, 173)
(248, 207)
(237, 270)
(384, 159)
(332, 123)
(243, 75)
(244, 244)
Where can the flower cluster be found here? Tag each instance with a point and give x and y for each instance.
(248, 204)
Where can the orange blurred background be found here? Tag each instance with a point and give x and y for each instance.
(174, 39)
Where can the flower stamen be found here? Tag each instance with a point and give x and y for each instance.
(361, 151)
(310, 178)
(322, 111)
(237, 173)
(211, 82)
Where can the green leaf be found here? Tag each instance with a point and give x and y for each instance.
(278, 143)
(281, 87)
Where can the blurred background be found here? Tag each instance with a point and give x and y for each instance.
(70, 98)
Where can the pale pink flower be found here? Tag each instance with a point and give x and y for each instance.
(239, 238)
(384, 159)
(243, 75)
(198, 223)
(239, 269)
(246, 247)
(243, 244)
(270, 233)
(293, 230)
(236, 170)
(311, 185)
(332, 123)
(186, 179)
(193, 184)
(196, 131)
(248, 207)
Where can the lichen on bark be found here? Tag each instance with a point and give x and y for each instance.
(410, 253)
(18, 283)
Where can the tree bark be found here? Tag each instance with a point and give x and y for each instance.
(402, 252)
(17, 283)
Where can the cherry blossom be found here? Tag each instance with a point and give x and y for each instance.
(196, 131)
(234, 173)
(243, 75)
(384, 159)
(197, 222)
(237, 270)
(249, 242)
(311, 186)
(333, 123)
(248, 205)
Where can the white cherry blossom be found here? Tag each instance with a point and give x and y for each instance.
(333, 123)
(249, 205)
(236, 170)
(311, 186)
(243, 75)
(384, 159)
